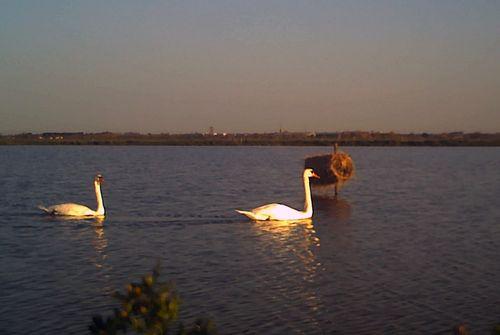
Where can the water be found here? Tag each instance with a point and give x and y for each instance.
(411, 246)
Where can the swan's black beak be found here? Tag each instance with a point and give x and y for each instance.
(314, 175)
(99, 178)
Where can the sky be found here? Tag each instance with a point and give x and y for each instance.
(249, 66)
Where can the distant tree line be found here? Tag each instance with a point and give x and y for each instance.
(346, 138)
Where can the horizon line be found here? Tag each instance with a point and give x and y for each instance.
(248, 132)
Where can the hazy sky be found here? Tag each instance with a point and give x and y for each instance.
(182, 66)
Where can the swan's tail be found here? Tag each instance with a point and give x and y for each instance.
(250, 215)
(45, 209)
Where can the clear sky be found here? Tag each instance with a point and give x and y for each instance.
(249, 66)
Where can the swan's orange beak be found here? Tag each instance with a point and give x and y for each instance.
(314, 175)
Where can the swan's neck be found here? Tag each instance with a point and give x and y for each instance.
(308, 208)
(100, 205)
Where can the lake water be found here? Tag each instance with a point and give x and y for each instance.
(411, 246)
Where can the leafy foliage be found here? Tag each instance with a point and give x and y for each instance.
(148, 307)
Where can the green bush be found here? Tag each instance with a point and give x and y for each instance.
(149, 307)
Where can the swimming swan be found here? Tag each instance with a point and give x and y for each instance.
(281, 212)
(71, 209)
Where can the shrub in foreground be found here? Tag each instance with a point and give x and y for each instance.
(148, 307)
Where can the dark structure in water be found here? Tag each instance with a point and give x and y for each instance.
(334, 169)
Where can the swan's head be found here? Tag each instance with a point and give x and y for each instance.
(310, 173)
(99, 179)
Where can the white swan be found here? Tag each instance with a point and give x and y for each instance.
(71, 209)
(281, 212)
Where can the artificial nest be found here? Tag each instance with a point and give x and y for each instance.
(332, 168)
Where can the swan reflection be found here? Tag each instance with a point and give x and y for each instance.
(100, 258)
(99, 242)
(291, 246)
(285, 227)
(78, 230)
(296, 237)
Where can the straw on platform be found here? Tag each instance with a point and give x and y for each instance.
(342, 166)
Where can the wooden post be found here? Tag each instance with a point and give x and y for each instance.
(335, 148)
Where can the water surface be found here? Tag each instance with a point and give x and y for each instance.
(412, 245)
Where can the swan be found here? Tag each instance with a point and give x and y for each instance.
(71, 209)
(281, 212)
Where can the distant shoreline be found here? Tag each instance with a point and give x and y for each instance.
(351, 138)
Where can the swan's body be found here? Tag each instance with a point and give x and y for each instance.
(70, 209)
(276, 212)
(281, 212)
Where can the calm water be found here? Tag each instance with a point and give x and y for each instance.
(412, 246)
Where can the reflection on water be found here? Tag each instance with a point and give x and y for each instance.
(285, 228)
(337, 208)
(99, 242)
(78, 229)
(296, 241)
(100, 258)
(295, 236)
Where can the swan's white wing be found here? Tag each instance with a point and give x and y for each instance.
(278, 212)
(71, 210)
